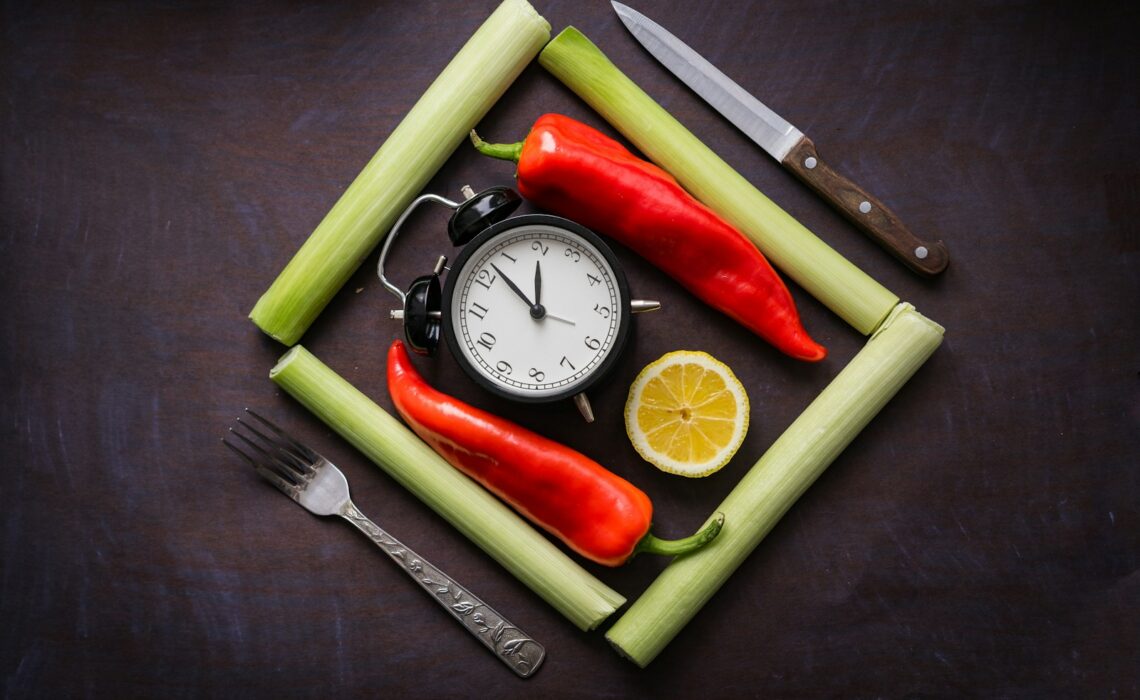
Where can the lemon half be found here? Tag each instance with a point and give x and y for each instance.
(687, 413)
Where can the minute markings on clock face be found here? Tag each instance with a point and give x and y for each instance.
(572, 335)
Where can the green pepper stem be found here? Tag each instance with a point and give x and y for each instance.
(502, 151)
(673, 548)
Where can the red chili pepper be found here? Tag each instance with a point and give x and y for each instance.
(578, 172)
(595, 512)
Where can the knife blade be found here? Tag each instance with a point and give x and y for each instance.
(784, 142)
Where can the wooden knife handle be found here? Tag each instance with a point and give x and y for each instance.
(865, 211)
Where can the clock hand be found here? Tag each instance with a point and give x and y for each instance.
(537, 284)
(536, 310)
(541, 310)
(514, 287)
(559, 318)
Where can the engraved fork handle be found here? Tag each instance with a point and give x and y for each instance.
(519, 652)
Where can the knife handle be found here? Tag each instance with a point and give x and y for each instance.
(865, 211)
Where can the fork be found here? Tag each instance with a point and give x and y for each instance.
(317, 484)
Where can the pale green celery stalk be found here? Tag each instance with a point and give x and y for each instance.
(891, 356)
(815, 266)
(466, 89)
(476, 513)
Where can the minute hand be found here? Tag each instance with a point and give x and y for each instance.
(785, 143)
(514, 287)
(537, 311)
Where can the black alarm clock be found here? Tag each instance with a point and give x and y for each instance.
(536, 308)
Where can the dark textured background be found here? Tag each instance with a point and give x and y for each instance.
(162, 161)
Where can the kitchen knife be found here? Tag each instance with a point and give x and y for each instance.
(785, 143)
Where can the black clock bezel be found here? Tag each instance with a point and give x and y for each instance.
(571, 227)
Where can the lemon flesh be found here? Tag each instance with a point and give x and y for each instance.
(687, 413)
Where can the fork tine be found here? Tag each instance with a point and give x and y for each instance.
(240, 452)
(284, 480)
(261, 467)
(270, 474)
(267, 459)
(280, 453)
(303, 450)
(284, 485)
(298, 456)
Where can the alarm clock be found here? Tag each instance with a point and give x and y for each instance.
(536, 308)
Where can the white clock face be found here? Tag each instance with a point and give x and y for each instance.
(536, 310)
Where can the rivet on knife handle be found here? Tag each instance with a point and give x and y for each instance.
(865, 211)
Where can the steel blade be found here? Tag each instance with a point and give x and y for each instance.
(769, 130)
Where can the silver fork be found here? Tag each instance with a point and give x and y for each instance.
(316, 483)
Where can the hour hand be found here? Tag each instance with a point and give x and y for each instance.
(537, 283)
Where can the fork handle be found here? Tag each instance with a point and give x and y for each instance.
(519, 652)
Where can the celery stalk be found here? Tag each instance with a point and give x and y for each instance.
(476, 513)
(466, 89)
(815, 266)
(891, 356)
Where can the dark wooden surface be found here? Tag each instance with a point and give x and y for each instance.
(162, 161)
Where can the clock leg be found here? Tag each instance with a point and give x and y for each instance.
(583, 403)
